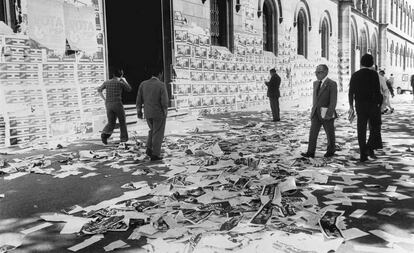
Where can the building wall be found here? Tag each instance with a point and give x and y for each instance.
(400, 42)
(43, 94)
(214, 78)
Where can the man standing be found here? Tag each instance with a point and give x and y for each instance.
(273, 93)
(323, 112)
(364, 88)
(113, 103)
(386, 105)
(152, 93)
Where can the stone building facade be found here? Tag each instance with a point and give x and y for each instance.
(216, 54)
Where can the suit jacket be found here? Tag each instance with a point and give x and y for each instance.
(364, 87)
(152, 93)
(327, 97)
(273, 86)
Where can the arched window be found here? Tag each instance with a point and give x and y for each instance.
(396, 13)
(269, 27)
(221, 23)
(302, 34)
(401, 15)
(363, 43)
(325, 39)
(391, 52)
(374, 48)
(396, 55)
(404, 57)
(401, 56)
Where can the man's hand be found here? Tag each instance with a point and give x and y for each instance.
(140, 116)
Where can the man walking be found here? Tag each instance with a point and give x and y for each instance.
(364, 88)
(273, 93)
(114, 107)
(323, 112)
(152, 93)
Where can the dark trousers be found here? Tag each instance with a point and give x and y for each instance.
(155, 134)
(274, 105)
(113, 111)
(328, 125)
(368, 112)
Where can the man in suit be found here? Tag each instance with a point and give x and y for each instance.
(364, 88)
(273, 93)
(323, 112)
(152, 93)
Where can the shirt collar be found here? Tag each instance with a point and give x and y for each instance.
(323, 80)
(154, 77)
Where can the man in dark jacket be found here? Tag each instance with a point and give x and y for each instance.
(153, 94)
(273, 93)
(364, 88)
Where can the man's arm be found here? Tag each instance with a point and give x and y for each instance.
(100, 89)
(126, 85)
(139, 102)
(164, 100)
(333, 96)
(351, 93)
(278, 81)
(377, 90)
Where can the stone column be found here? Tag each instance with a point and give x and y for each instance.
(344, 43)
(384, 7)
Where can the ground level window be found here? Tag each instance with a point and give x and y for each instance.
(221, 23)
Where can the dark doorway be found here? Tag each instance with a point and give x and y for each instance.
(134, 33)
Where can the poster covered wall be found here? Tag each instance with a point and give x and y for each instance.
(46, 24)
(80, 28)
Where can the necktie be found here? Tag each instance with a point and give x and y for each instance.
(319, 87)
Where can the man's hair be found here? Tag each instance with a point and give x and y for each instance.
(117, 72)
(367, 60)
(324, 67)
(272, 70)
(382, 72)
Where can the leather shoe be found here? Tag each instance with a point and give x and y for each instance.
(104, 138)
(371, 154)
(307, 155)
(148, 151)
(363, 158)
(328, 154)
(156, 158)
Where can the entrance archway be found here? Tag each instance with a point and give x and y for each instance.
(353, 52)
(138, 34)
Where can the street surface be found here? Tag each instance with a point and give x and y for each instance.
(229, 182)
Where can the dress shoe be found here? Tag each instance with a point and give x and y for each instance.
(148, 151)
(104, 138)
(328, 154)
(308, 155)
(156, 158)
(371, 154)
(363, 158)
